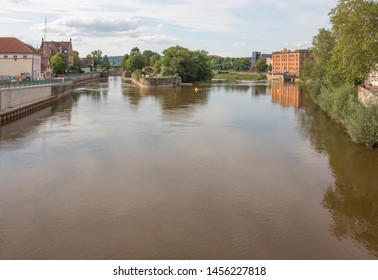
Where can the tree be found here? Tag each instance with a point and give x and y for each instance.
(261, 64)
(355, 54)
(59, 63)
(76, 62)
(154, 58)
(134, 62)
(135, 49)
(105, 64)
(97, 58)
(190, 66)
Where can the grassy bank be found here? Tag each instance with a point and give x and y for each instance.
(343, 106)
(234, 77)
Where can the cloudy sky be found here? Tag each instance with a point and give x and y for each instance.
(222, 27)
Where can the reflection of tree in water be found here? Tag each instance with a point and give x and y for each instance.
(352, 198)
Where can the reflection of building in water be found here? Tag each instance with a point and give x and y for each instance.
(287, 94)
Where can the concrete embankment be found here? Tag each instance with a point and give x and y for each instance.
(158, 82)
(18, 102)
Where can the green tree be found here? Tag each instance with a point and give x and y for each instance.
(59, 63)
(355, 23)
(190, 66)
(105, 64)
(76, 62)
(154, 58)
(135, 49)
(148, 55)
(134, 62)
(261, 64)
(97, 58)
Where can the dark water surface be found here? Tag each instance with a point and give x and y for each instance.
(236, 171)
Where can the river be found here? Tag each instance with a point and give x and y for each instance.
(233, 171)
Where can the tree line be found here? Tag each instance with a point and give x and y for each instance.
(343, 57)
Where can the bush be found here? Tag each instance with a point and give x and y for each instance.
(362, 125)
(137, 75)
(342, 105)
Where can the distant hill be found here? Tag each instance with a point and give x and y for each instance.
(115, 60)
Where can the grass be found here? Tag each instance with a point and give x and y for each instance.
(234, 77)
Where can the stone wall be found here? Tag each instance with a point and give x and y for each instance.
(159, 82)
(14, 97)
(368, 95)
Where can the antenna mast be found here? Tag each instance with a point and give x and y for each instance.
(44, 36)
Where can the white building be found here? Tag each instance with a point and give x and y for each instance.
(18, 60)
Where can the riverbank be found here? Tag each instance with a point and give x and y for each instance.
(20, 101)
(237, 77)
(342, 104)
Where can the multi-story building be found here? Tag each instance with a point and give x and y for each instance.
(290, 62)
(51, 48)
(18, 60)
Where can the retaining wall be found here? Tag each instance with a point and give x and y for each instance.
(368, 95)
(159, 82)
(18, 96)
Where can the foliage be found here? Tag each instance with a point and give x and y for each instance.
(59, 63)
(233, 77)
(342, 105)
(137, 75)
(153, 59)
(261, 64)
(105, 64)
(189, 65)
(76, 62)
(134, 62)
(363, 125)
(342, 58)
(355, 54)
(147, 55)
(97, 58)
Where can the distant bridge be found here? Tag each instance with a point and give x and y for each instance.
(230, 63)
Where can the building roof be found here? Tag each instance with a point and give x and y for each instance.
(86, 62)
(14, 45)
(52, 48)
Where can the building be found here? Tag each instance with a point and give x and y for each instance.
(290, 62)
(51, 48)
(86, 64)
(255, 56)
(18, 61)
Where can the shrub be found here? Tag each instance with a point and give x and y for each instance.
(362, 125)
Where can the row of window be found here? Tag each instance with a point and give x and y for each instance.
(15, 56)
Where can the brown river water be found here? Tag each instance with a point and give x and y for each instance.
(234, 171)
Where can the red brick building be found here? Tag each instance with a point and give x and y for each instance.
(51, 48)
(290, 62)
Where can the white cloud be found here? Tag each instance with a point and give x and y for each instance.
(97, 26)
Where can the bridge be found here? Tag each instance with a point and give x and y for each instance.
(242, 65)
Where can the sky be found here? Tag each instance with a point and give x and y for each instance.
(231, 28)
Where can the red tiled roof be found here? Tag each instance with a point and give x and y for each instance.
(13, 45)
(52, 48)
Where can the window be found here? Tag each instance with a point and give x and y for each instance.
(25, 56)
(5, 56)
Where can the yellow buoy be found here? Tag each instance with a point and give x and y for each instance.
(196, 89)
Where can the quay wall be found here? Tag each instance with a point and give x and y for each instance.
(18, 96)
(158, 82)
(18, 102)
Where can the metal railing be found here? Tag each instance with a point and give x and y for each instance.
(16, 84)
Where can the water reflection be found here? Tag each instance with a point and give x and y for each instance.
(120, 172)
(352, 199)
(288, 94)
(23, 127)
